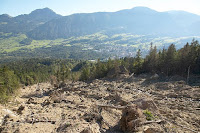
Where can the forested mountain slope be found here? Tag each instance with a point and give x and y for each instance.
(46, 24)
(26, 22)
(139, 20)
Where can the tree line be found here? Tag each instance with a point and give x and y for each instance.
(26, 72)
(167, 61)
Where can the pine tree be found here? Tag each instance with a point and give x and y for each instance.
(151, 60)
(138, 62)
(170, 59)
(85, 74)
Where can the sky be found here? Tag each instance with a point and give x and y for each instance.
(67, 7)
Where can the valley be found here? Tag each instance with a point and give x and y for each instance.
(89, 36)
(89, 47)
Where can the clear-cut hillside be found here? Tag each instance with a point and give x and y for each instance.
(128, 104)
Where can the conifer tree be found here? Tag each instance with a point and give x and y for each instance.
(138, 62)
(170, 59)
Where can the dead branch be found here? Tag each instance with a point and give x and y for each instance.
(111, 106)
(149, 122)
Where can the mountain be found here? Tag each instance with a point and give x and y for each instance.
(139, 20)
(195, 27)
(45, 24)
(5, 18)
(73, 25)
(27, 22)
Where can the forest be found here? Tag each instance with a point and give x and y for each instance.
(167, 61)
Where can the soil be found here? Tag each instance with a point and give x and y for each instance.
(126, 104)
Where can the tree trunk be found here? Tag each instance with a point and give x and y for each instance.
(188, 75)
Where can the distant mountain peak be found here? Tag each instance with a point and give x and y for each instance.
(140, 9)
(42, 11)
(6, 16)
(143, 9)
(46, 24)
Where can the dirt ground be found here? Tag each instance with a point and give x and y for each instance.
(127, 104)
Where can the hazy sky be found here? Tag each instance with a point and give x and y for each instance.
(66, 7)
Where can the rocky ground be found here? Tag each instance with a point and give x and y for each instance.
(140, 104)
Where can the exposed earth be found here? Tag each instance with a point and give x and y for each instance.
(141, 104)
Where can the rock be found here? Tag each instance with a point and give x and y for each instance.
(131, 118)
(104, 125)
(177, 78)
(145, 104)
(46, 102)
(20, 109)
(62, 84)
(153, 130)
(116, 99)
(164, 85)
(62, 127)
(181, 82)
(11, 117)
(154, 77)
(7, 111)
(93, 116)
(31, 101)
(87, 130)
(56, 96)
(127, 87)
(94, 128)
(5, 119)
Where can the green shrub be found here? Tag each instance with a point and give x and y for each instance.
(149, 115)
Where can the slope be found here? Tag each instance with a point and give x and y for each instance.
(26, 22)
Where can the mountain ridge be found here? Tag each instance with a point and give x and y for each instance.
(138, 20)
(137, 7)
(26, 22)
(46, 24)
